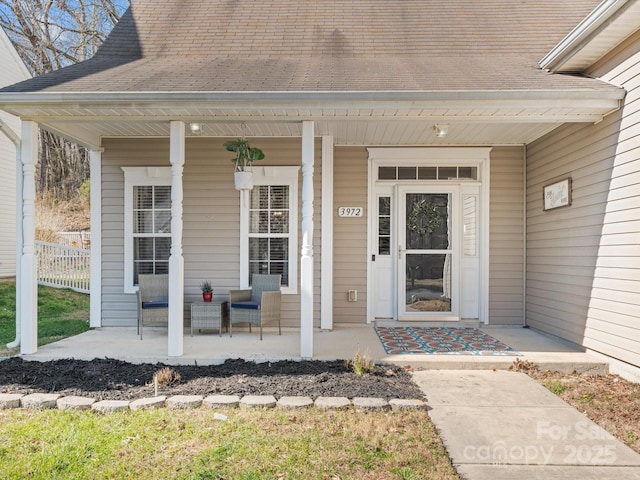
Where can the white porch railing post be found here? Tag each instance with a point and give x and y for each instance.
(28, 262)
(95, 283)
(176, 260)
(306, 260)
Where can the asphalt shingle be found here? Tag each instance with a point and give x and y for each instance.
(326, 45)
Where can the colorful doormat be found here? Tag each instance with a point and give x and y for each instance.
(440, 341)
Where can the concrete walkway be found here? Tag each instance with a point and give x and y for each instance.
(504, 425)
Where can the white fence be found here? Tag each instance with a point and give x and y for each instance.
(63, 266)
(80, 239)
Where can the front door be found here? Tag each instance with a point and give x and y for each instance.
(428, 234)
(427, 257)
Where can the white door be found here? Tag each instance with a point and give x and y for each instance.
(427, 253)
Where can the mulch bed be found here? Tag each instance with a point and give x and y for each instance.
(108, 379)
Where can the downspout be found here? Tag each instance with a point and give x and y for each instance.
(524, 239)
(11, 135)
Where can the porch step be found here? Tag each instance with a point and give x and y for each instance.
(429, 323)
(469, 362)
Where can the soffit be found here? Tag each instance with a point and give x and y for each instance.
(579, 54)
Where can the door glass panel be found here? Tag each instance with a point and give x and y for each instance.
(387, 173)
(427, 173)
(447, 173)
(384, 226)
(406, 173)
(428, 283)
(428, 253)
(427, 221)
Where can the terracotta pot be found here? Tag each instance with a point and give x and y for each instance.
(207, 296)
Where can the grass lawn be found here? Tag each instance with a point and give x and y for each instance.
(609, 400)
(61, 313)
(249, 445)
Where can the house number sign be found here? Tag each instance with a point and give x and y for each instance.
(350, 211)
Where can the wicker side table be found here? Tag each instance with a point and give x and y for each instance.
(210, 315)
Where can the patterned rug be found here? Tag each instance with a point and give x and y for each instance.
(440, 341)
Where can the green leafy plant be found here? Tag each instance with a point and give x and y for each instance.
(206, 287)
(245, 153)
(361, 364)
(556, 386)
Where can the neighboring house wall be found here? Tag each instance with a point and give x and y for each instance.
(211, 219)
(12, 71)
(506, 243)
(583, 269)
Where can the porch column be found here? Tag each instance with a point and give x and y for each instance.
(306, 260)
(95, 284)
(326, 269)
(28, 262)
(176, 261)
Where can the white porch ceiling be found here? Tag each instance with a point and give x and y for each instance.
(353, 132)
(362, 118)
(494, 125)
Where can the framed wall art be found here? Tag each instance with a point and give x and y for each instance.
(557, 194)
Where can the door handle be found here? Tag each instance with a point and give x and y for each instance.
(400, 250)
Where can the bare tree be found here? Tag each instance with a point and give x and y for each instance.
(48, 35)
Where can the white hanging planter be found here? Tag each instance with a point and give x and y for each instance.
(243, 180)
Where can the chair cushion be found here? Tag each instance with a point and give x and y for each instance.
(155, 304)
(249, 305)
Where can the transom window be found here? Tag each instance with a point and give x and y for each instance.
(427, 173)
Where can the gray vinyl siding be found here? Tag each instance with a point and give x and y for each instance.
(350, 235)
(211, 210)
(583, 281)
(7, 206)
(11, 72)
(506, 227)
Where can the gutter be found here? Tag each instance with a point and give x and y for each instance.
(11, 135)
(307, 99)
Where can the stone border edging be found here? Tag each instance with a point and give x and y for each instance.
(42, 401)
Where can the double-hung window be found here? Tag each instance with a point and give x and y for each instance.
(269, 227)
(147, 232)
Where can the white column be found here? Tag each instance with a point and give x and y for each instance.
(28, 262)
(306, 260)
(326, 288)
(176, 261)
(95, 164)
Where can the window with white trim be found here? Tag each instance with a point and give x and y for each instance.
(147, 232)
(269, 227)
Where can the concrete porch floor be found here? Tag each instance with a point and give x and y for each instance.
(342, 342)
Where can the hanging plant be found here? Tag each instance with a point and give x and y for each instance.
(245, 153)
(245, 156)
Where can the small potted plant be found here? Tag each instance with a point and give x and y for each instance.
(245, 156)
(207, 291)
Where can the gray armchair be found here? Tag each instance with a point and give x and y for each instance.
(153, 301)
(258, 306)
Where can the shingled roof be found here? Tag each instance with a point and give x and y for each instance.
(327, 46)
